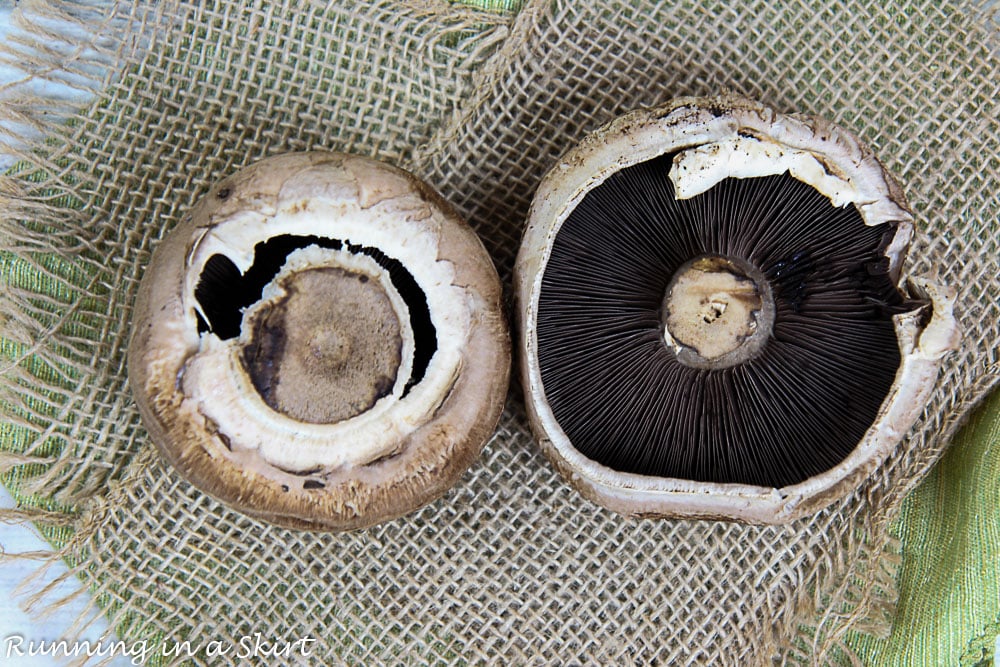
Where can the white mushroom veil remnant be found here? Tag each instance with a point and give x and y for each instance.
(320, 342)
(713, 317)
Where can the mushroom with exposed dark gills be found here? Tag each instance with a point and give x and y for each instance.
(712, 315)
(320, 343)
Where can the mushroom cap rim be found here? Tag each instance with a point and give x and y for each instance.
(683, 124)
(437, 453)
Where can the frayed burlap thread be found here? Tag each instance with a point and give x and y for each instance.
(512, 565)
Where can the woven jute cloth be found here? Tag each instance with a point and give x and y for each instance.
(512, 565)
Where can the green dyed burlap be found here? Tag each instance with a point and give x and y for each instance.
(512, 565)
(949, 580)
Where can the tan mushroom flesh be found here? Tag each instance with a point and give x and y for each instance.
(712, 314)
(320, 343)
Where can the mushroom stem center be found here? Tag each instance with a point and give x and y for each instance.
(326, 342)
(717, 312)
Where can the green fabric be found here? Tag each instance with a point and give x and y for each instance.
(949, 588)
(66, 289)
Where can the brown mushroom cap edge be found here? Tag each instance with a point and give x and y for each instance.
(363, 486)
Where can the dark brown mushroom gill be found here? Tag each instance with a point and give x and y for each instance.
(794, 408)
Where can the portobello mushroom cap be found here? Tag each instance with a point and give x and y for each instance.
(712, 318)
(320, 343)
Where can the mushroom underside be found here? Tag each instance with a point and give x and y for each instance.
(744, 335)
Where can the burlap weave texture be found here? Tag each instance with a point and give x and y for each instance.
(512, 565)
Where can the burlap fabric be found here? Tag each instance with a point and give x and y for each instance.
(512, 565)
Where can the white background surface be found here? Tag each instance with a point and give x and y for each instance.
(14, 622)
